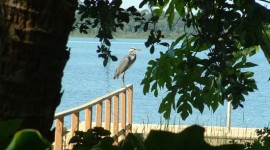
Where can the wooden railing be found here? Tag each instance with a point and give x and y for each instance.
(112, 111)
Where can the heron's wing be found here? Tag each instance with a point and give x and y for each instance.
(123, 66)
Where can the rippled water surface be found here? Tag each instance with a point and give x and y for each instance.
(85, 79)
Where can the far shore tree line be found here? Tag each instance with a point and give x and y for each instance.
(129, 30)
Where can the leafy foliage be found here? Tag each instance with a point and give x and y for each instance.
(263, 142)
(12, 139)
(207, 66)
(29, 139)
(135, 29)
(96, 138)
(107, 16)
(7, 130)
(191, 138)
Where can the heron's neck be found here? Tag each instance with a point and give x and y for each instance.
(132, 54)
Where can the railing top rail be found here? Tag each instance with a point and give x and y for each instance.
(91, 103)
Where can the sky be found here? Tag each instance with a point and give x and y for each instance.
(128, 3)
(265, 3)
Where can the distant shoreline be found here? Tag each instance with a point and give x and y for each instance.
(123, 36)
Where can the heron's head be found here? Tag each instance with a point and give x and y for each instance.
(133, 50)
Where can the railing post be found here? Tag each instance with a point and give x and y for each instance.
(108, 114)
(116, 115)
(88, 118)
(99, 115)
(123, 112)
(130, 97)
(74, 123)
(59, 122)
(229, 110)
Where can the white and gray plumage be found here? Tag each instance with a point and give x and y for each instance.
(125, 63)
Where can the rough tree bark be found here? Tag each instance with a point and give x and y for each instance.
(33, 54)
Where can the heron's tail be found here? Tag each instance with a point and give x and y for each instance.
(115, 77)
(116, 74)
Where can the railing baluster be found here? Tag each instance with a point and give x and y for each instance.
(74, 123)
(99, 115)
(116, 115)
(108, 114)
(59, 122)
(130, 96)
(88, 118)
(123, 112)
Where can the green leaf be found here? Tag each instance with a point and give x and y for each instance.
(174, 43)
(166, 105)
(154, 86)
(191, 138)
(170, 19)
(248, 74)
(105, 144)
(184, 107)
(105, 61)
(170, 9)
(7, 129)
(114, 58)
(265, 46)
(214, 103)
(219, 83)
(152, 49)
(149, 41)
(156, 93)
(75, 139)
(157, 13)
(161, 2)
(146, 88)
(28, 138)
(250, 64)
(198, 103)
(145, 27)
(143, 3)
(184, 114)
(107, 141)
(107, 42)
(133, 141)
(180, 8)
(165, 44)
(160, 140)
(79, 133)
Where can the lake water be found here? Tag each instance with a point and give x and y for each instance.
(85, 79)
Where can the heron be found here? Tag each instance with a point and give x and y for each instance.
(125, 63)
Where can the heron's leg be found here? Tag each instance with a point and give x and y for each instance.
(123, 77)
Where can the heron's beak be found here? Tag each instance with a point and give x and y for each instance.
(138, 49)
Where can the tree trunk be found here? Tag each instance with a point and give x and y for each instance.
(33, 54)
